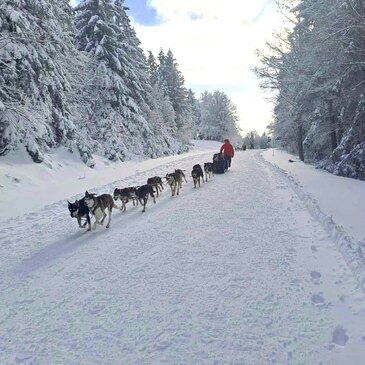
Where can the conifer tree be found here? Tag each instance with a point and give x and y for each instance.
(218, 117)
(115, 118)
(35, 51)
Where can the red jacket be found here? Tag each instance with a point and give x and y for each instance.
(227, 149)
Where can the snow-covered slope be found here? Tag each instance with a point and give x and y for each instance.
(236, 272)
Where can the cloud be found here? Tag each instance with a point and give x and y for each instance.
(214, 43)
(74, 2)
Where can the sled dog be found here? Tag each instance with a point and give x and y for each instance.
(142, 194)
(208, 169)
(181, 176)
(125, 195)
(156, 182)
(98, 205)
(80, 210)
(173, 180)
(197, 174)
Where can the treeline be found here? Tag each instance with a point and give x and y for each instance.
(78, 78)
(317, 71)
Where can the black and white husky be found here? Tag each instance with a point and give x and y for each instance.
(174, 180)
(125, 195)
(197, 174)
(156, 182)
(181, 176)
(142, 194)
(98, 205)
(80, 210)
(208, 169)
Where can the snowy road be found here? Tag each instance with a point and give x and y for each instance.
(236, 272)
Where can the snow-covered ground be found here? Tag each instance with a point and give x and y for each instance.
(239, 271)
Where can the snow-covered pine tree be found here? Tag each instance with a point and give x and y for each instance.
(172, 83)
(218, 117)
(162, 139)
(35, 51)
(152, 68)
(319, 80)
(195, 113)
(116, 119)
(164, 113)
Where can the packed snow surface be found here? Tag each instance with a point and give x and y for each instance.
(237, 271)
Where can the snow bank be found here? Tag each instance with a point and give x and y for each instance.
(338, 203)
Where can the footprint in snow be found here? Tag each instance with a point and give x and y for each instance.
(163, 341)
(339, 336)
(316, 277)
(317, 300)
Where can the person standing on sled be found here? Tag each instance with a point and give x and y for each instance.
(228, 151)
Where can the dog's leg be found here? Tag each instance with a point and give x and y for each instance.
(178, 189)
(102, 219)
(97, 214)
(79, 222)
(109, 216)
(144, 204)
(88, 222)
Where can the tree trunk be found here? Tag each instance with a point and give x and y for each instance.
(300, 142)
(332, 118)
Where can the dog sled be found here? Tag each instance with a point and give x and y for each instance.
(220, 165)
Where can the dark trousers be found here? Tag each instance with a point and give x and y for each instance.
(228, 160)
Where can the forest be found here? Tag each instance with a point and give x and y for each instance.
(78, 78)
(315, 68)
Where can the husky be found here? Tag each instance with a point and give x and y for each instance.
(173, 180)
(156, 182)
(208, 169)
(125, 195)
(181, 176)
(142, 194)
(80, 210)
(197, 174)
(98, 205)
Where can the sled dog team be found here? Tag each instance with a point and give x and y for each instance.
(101, 206)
